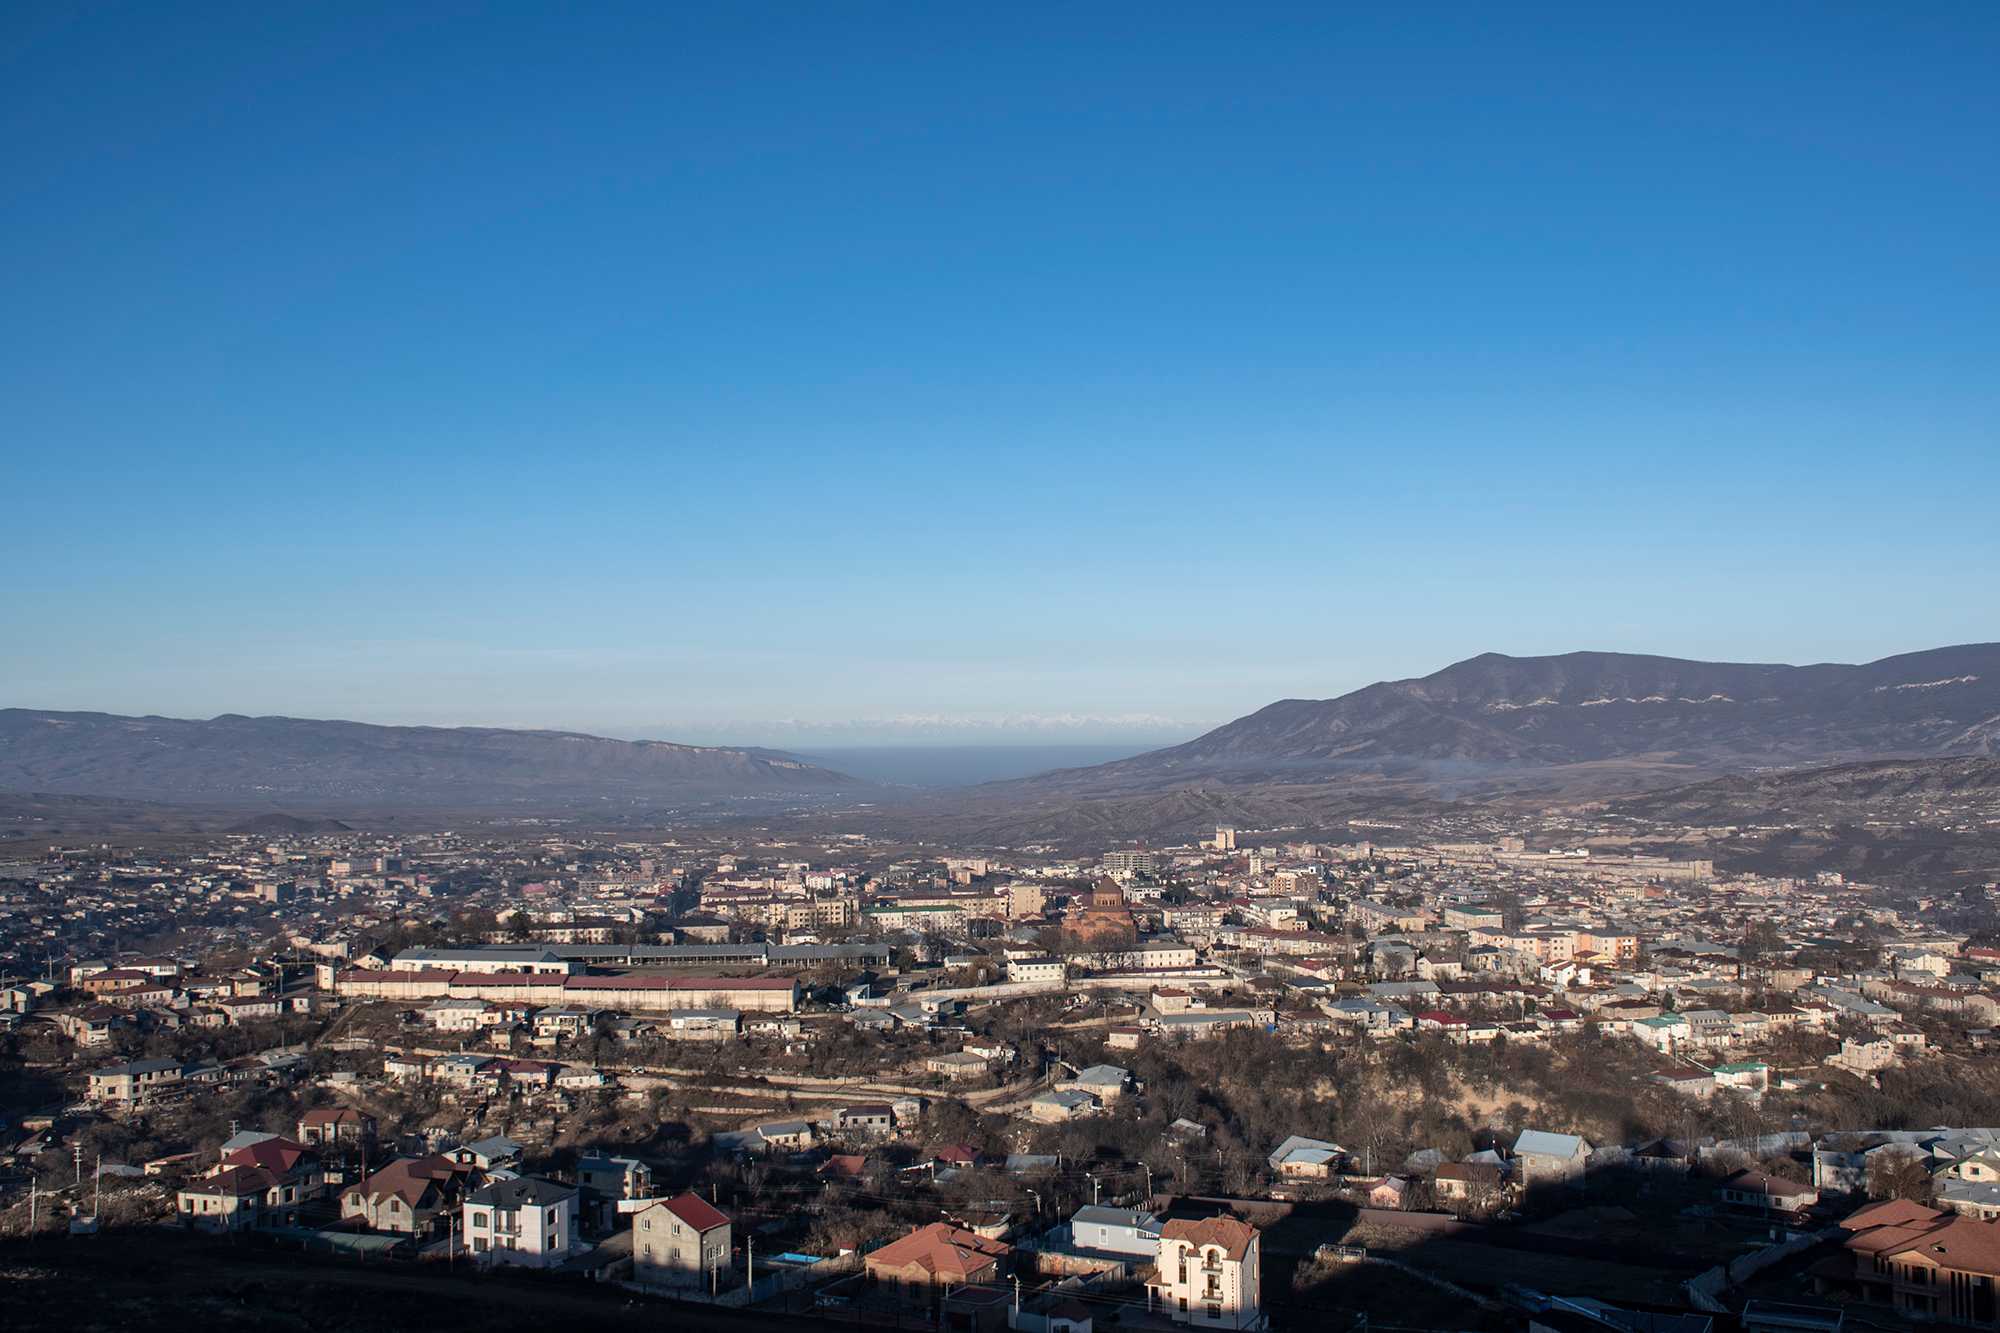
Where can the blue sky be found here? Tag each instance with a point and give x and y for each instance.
(1020, 370)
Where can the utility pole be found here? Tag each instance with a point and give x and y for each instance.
(76, 1160)
(1093, 1188)
(749, 1263)
(97, 1198)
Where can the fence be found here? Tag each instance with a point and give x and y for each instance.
(1704, 1290)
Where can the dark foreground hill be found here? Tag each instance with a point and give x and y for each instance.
(294, 762)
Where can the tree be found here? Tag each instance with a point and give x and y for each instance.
(1897, 1172)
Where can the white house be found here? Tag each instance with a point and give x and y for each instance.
(524, 1221)
(1209, 1273)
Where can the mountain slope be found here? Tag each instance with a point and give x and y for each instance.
(269, 760)
(1494, 714)
(1880, 789)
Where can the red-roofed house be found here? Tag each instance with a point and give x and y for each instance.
(259, 1185)
(1926, 1263)
(408, 1195)
(335, 1124)
(938, 1255)
(682, 1241)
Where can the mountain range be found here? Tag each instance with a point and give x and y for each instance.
(1580, 725)
(1523, 721)
(267, 762)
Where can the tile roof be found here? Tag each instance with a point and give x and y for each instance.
(942, 1250)
(273, 1154)
(1234, 1237)
(696, 1211)
(1962, 1243)
(407, 1178)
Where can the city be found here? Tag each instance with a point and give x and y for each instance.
(860, 1080)
(1091, 668)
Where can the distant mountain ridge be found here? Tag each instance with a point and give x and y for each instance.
(1496, 714)
(297, 761)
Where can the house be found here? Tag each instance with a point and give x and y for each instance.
(956, 1156)
(703, 1024)
(1469, 1182)
(399, 1065)
(228, 1199)
(790, 1135)
(1209, 1273)
(1392, 1192)
(1751, 1076)
(938, 1255)
(135, 1081)
(1550, 1159)
(409, 1195)
(524, 1220)
(1301, 1158)
(1669, 1156)
(955, 1065)
(1970, 1185)
(1123, 1231)
(1766, 1194)
(843, 1166)
(682, 1241)
(329, 1125)
(1055, 1107)
(488, 1153)
(449, 1015)
(1037, 969)
(875, 1119)
(1107, 1083)
(565, 1023)
(1926, 1264)
(258, 1181)
(614, 1177)
(93, 1026)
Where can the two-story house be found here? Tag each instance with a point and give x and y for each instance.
(682, 1241)
(411, 1195)
(261, 1183)
(1925, 1263)
(330, 1125)
(524, 1220)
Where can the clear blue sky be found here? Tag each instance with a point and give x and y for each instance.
(662, 368)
